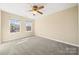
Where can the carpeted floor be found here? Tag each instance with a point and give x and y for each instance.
(36, 46)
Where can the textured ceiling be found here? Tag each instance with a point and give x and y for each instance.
(22, 9)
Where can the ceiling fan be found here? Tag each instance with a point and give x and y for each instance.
(36, 8)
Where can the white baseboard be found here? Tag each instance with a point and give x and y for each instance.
(60, 41)
(16, 39)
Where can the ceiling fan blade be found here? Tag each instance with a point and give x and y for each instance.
(41, 7)
(39, 12)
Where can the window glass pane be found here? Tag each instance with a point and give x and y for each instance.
(28, 25)
(14, 26)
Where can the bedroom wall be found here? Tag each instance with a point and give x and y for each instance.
(6, 34)
(78, 24)
(0, 26)
(61, 26)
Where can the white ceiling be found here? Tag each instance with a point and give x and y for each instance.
(22, 9)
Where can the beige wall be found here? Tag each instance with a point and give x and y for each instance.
(0, 26)
(61, 26)
(78, 24)
(6, 35)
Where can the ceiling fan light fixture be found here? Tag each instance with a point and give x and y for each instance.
(37, 9)
(34, 12)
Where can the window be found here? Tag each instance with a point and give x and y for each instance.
(28, 25)
(14, 26)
